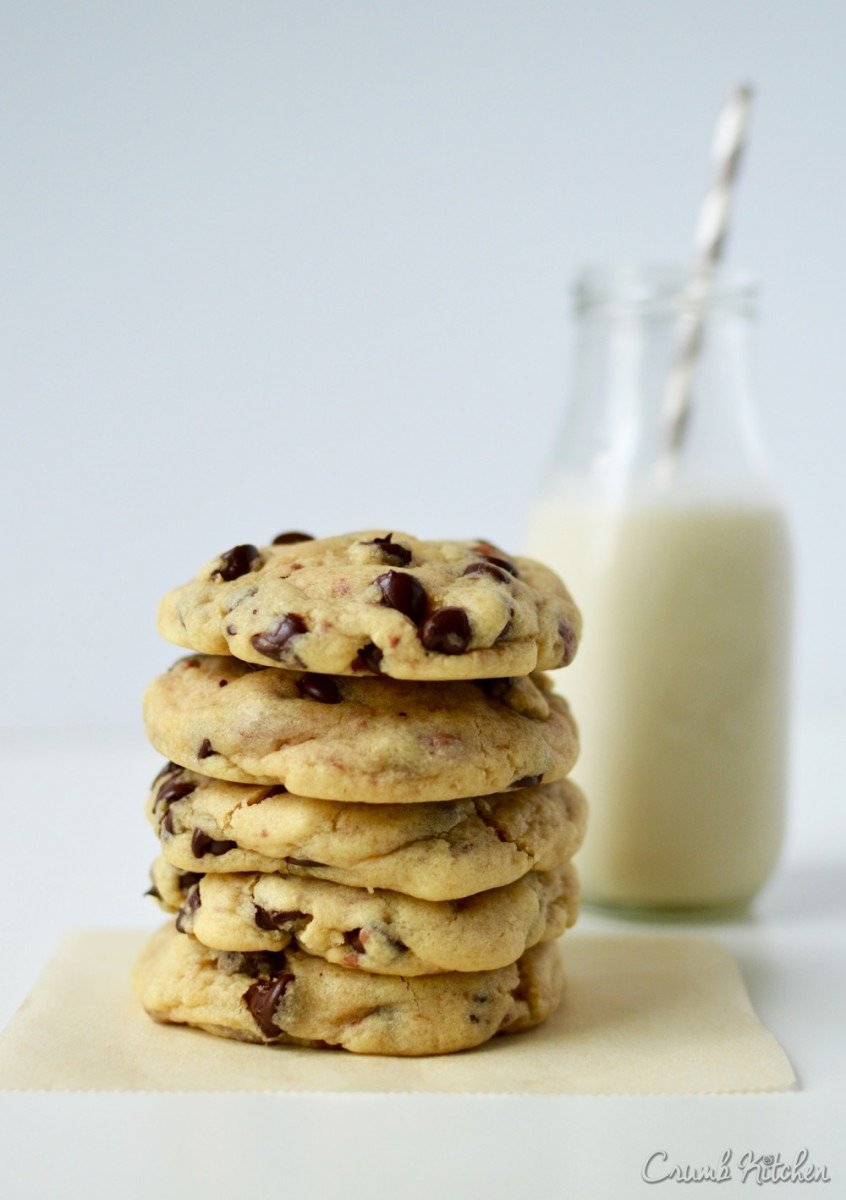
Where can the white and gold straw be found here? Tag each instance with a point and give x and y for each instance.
(711, 230)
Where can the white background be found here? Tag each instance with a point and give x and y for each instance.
(272, 264)
(276, 265)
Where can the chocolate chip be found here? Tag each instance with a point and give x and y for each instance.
(447, 631)
(319, 687)
(368, 659)
(202, 844)
(274, 641)
(568, 636)
(474, 1019)
(154, 892)
(173, 790)
(404, 593)
(186, 912)
(486, 549)
(273, 919)
(291, 539)
(393, 553)
(222, 682)
(187, 879)
(206, 749)
(487, 568)
(278, 790)
(170, 768)
(353, 938)
(262, 918)
(236, 562)
(502, 563)
(263, 999)
(261, 963)
(497, 689)
(526, 781)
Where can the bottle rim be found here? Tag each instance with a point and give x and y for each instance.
(662, 288)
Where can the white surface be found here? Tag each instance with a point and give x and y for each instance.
(275, 265)
(75, 803)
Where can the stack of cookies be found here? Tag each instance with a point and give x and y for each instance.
(366, 826)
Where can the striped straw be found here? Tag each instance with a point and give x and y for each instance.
(710, 240)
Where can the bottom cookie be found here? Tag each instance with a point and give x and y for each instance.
(295, 998)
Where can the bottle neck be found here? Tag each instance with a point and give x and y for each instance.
(617, 431)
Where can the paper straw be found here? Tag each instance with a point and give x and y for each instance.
(711, 231)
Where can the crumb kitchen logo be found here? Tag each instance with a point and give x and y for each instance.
(748, 1167)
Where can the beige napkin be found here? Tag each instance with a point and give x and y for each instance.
(641, 1015)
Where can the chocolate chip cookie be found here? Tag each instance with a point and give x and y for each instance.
(294, 997)
(371, 740)
(377, 602)
(435, 851)
(383, 932)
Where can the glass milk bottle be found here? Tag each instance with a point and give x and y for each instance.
(680, 686)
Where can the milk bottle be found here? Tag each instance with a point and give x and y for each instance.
(680, 686)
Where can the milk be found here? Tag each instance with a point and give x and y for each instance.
(680, 690)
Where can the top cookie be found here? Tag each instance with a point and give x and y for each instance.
(377, 602)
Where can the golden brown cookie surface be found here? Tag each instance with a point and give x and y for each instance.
(373, 740)
(383, 932)
(293, 997)
(436, 851)
(377, 602)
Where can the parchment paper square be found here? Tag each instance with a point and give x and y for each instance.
(641, 1015)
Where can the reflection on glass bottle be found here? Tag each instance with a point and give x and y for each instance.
(680, 687)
